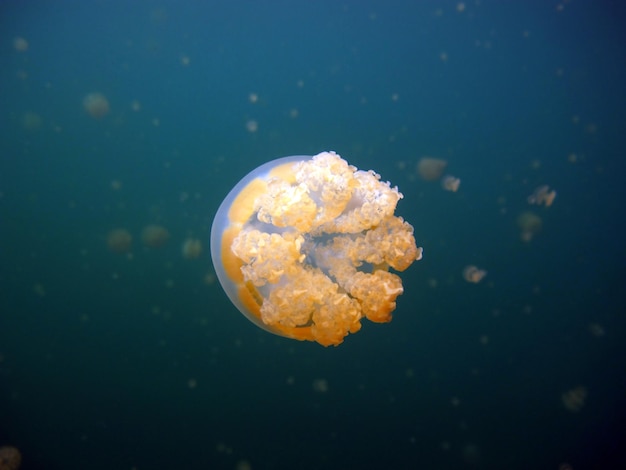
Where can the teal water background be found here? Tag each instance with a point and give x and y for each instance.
(139, 361)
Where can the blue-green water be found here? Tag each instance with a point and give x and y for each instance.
(138, 360)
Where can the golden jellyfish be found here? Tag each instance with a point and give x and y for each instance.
(574, 399)
(119, 240)
(451, 183)
(252, 126)
(20, 44)
(542, 195)
(530, 224)
(31, 121)
(320, 385)
(154, 236)
(431, 169)
(473, 274)
(302, 246)
(192, 248)
(96, 105)
(10, 458)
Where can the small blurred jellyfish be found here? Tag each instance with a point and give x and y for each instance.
(597, 330)
(472, 455)
(431, 169)
(529, 224)
(31, 121)
(154, 236)
(320, 385)
(119, 240)
(96, 105)
(473, 274)
(542, 195)
(243, 465)
(20, 44)
(450, 183)
(192, 248)
(209, 278)
(10, 458)
(252, 126)
(573, 400)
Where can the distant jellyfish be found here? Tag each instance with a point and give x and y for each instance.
(597, 330)
(472, 455)
(431, 169)
(573, 400)
(542, 195)
(119, 240)
(209, 278)
(192, 248)
(450, 183)
(473, 274)
(320, 385)
(10, 458)
(243, 465)
(154, 236)
(96, 105)
(529, 224)
(20, 44)
(252, 126)
(31, 121)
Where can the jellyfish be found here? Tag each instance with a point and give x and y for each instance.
(431, 169)
(529, 224)
(96, 105)
(31, 121)
(20, 44)
(542, 195)
(451, 183)
(574, 399)
(192, 248)
(119, 240)
(303, 245)
(10, 458)
(473, 274)
(154, 236)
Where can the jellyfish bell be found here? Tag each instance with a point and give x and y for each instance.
(303, 245)
(450, 183)
(473, 274)
(31, 121)
(431, 169)
(192, 248)
(20, 44)
(119, 240)
(530, 224)
(154, 236)
(96, 105)
(10, 458)
(574, 399)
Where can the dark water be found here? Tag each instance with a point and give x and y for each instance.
(138, 360)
